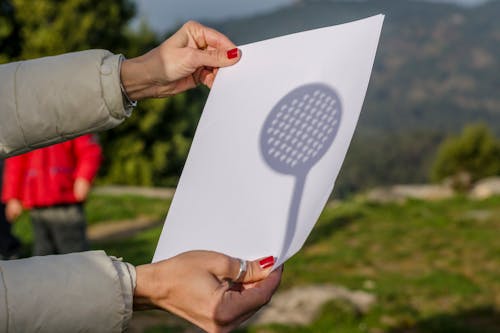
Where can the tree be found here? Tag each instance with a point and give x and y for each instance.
(10, 39)
(149, 148)
(50, 27)
(474, 154)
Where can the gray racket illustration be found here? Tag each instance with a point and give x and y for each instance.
(296, 134)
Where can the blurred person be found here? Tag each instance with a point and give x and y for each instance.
(41, 104)
(9, 244)
(53, 182)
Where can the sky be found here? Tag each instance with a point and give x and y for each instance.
(163, 15)
(167, 14)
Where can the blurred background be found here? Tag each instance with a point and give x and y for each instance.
(410, 241)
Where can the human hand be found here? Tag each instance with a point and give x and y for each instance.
(196, 285)
(13, 209)
(189, 57)
(81, 189)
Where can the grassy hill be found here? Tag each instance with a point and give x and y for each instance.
(436, 70)
(433, 266)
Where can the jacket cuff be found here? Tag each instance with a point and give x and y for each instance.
(112, 93)
(127, 277)
(77, 292)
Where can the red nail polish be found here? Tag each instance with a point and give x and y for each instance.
(266, 262)
(233, 53)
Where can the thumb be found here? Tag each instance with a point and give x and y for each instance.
(215, 57)
(258, 269)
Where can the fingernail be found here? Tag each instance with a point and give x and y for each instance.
(233, 53)
(266, 262)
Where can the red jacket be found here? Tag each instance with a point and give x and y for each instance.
(45, 177)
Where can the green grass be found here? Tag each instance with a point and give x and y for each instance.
(433, 266)
(102, 208)
(137, 250)
(428, 261)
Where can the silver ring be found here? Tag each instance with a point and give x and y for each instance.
(243, 270)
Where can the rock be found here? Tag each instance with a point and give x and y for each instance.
(400, 193)
(300, 305)
(486, 188)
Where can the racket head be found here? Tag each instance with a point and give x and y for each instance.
(300, 128)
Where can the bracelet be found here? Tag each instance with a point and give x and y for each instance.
(129, 102)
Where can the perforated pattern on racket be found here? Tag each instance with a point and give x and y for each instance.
(300, 128)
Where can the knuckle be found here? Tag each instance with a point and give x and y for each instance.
(250, 273)
(189, 24)
(219, 55)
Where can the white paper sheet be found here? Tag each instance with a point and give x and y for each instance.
(270, 143)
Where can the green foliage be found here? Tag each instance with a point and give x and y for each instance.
(475, 153)
(151, 147)
(387, 158)
(71, 25)
(10, 40)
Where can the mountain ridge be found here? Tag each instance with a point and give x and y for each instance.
(418, 38)
(436, 71)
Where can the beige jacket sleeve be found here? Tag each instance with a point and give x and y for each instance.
(52, 99)
(45, 101)
(78, 292)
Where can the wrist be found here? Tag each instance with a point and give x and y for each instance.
(135, 80)
(145, 286)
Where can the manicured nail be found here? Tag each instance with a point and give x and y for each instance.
(233, 53)
(266, 262)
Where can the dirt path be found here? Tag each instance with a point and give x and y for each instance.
(120, 229)
(149, 192)
(126, 228)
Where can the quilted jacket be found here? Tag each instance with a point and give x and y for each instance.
(42, 102)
